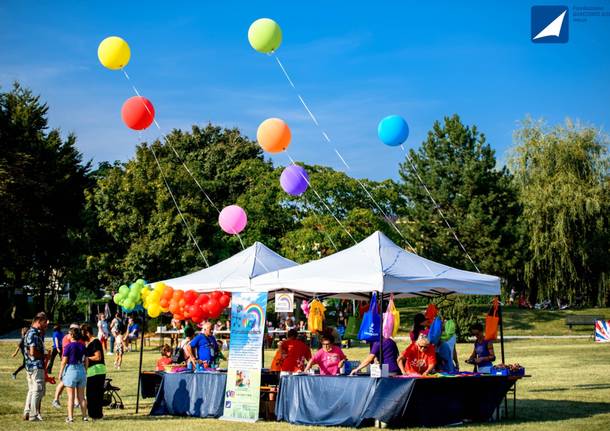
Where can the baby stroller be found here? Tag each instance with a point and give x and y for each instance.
(112, 398)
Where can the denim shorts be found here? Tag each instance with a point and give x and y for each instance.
(75, 376)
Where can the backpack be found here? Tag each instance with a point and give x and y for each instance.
(178, 356)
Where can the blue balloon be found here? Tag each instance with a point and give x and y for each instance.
(393, 130)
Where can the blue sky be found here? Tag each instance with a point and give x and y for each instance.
(353, 62)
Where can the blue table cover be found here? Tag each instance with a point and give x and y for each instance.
(191, 394)
(356, 401)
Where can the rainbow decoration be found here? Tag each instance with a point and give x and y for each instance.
(602, 331)
(254, 316)
(283, 302)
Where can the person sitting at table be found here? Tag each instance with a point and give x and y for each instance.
(133, 332)
(483, 353)
(418, 358)
(165, 359)
(418, 327)
(206, 346)
(390, 357)
(295, 353)
(329, 358)
(218, 326)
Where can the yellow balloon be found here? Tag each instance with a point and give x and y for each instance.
(114, 53)
(154, 310)
(265, 35)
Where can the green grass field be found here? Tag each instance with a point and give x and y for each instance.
(569, 390)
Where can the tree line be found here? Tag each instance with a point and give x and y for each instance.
(540, 222)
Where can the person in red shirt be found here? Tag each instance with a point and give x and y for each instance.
(295, 353)
(165, 359)
(418, 358)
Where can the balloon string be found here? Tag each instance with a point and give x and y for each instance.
(166, 139)
(437, 206)
(188, 229)
(322, 200)
(180, 159)
(347, 166)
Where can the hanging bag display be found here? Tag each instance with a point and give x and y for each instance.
(492, 320)
(370, 328)
(391, 319)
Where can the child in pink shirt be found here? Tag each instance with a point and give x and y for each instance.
(329, 358)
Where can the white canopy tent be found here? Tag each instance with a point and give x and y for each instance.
(376, 265)
(234, 273)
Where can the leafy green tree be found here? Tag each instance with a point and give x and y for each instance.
(42, 179)
(563, 181)
(477, 198)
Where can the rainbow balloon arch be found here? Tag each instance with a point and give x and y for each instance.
(161, 298)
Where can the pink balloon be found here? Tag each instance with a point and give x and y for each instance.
(232, 219)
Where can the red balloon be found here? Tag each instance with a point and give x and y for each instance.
(224, 301)
(216, 312)
(197, 318)
(205, 314)
(190, 296)
(212, 303)
(216, 295)
(138, 113)
(202, 299)
(178, 316)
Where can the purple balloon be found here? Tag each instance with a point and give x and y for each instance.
(294, 180)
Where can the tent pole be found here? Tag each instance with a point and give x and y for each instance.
(501, 330)
(381, 334)
(140, 366)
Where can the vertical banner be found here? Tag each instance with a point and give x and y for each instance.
(242, 394)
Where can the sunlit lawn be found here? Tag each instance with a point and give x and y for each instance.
(569, 390)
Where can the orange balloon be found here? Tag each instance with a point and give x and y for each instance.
(273, 135)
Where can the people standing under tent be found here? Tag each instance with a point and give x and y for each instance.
(34, 367)
(58, 337)
(67, 339)
(341, 323)
(446, 354)
(418, 358)
(20, 348)
(103, 331)
(119, 350)
(483, 355)
(185, 351)
(295, 353)
(96, 372)
(390, 357)
(73, 374)
(329, 358)
(175, 337)
(116, 327)
(418, 327)
(165, 359)
(206, 347)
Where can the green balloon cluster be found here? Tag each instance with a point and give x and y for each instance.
(130, 297)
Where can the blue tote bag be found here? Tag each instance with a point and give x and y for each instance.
(371, 322)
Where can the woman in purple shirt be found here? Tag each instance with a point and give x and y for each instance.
(390, 356)
(73, 375)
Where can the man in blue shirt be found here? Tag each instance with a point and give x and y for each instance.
(58, 336)
(34, 367)
(206, 346)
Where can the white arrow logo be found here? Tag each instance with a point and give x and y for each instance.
(553, 29)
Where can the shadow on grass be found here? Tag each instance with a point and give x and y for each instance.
(557, 410)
